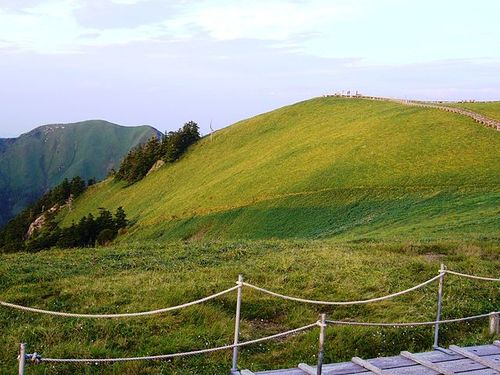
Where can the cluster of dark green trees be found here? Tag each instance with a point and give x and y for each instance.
(13, 235)
(173, 144)
(61, 193)
(87, 233)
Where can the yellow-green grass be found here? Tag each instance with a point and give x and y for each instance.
(327, 167)
(149, 275)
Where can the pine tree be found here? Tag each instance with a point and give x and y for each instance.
(104, 220)
(120, 218)
(77, 186)
(170, 148)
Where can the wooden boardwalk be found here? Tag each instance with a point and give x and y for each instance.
(473, 360)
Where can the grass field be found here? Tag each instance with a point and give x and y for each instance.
(149, 275)
(325, 168)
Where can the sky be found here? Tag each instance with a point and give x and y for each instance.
(163, 63)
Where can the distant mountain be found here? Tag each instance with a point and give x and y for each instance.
(40, 159)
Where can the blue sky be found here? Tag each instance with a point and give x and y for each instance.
(164, 62)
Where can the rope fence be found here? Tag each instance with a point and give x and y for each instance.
(36, 358)
(124, 315)
(239, 284)
(472, 276)
(343, 303)
(184, 354)
(410, 324)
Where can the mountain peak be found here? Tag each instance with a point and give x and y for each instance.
(44, 156)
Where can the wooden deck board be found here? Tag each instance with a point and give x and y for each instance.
(398, 365)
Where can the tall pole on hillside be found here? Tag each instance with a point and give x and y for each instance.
(439, 306)
(22, 358)
(321, 350)
(234, 369)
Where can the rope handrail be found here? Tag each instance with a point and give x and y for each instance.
(123, 315)
(410, 324)
(317, 302)
(471, 276)
(36, 358)
(263, 290)
(174, 355)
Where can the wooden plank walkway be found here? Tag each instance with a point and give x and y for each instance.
(473, 360)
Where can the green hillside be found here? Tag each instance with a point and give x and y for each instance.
(325, 168)
(42, 158)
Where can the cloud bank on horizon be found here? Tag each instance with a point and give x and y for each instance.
(166, 62)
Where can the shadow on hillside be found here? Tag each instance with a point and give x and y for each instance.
(395, 214)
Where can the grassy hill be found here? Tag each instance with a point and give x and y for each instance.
(333, 199)
(42, 158)
(340, 168)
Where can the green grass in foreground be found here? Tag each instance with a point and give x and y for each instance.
(150, 275)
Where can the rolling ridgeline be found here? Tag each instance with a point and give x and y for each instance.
(332, 198)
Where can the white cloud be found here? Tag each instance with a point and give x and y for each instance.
(52, 27)
(127, 2)
(269, 20)
(46, 26)
(376, 32)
